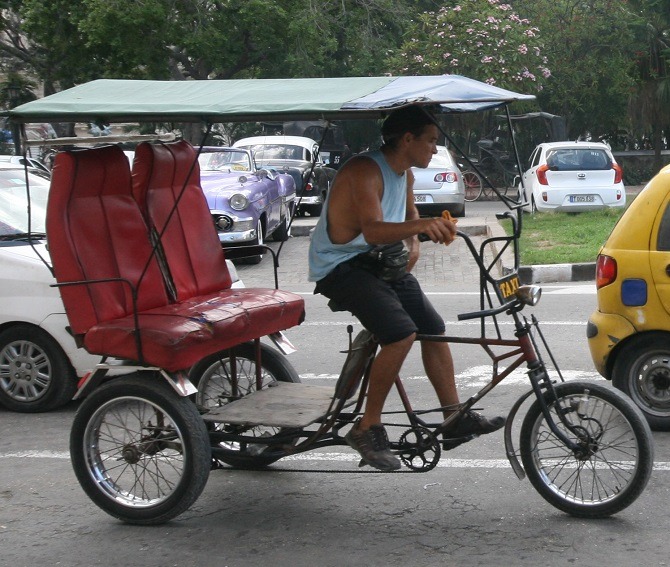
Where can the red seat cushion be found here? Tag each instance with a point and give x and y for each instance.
(176, 336)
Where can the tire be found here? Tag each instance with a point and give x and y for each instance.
(259, 241)
(533, 206)
(140, 451)
(212, 377)
(35, 373)
(642, 370)
(315, 210)
(473, 186)
(607, 479)
(283, 231)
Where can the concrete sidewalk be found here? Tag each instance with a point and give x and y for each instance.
(434, 266)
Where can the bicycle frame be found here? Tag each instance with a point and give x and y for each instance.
(518, 351)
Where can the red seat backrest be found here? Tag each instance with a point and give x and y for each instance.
(95, 230)
(161, 173)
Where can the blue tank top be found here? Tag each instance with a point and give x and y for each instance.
(324, 256)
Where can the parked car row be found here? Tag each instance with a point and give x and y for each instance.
(39, 360)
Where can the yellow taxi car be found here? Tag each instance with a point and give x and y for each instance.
(629, 333)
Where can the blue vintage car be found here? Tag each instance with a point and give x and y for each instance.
(248, 206)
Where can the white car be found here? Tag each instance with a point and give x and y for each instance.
(40, 363)
(439, 186)
(572, 177)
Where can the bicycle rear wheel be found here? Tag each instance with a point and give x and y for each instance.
(473, 186)
(613, 461)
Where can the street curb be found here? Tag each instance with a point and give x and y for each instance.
(543, 273)
(549, 273)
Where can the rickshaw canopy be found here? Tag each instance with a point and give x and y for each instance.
(251, 100)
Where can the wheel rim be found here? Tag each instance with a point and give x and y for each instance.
(216, 388)
(133, 452)
(606, 467)
(25, 371)
(650, 381)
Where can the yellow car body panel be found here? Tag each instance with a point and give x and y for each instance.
(633, 244)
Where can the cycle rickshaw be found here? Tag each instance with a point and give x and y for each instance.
(185, 385)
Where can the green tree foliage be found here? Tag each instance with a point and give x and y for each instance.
(483, 39)
(588, 44)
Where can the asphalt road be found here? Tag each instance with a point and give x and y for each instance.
(319, 508)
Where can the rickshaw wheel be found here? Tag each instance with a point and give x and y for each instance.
(614, 456)
(140, 451)
(216, 387)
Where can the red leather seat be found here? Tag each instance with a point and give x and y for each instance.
(97, 229)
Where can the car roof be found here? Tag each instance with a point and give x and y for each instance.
(572, 145)
(285, 140)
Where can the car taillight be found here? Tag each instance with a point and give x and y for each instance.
(308, 186)
(542, 174)
(618, 172)
(606, 271)
(446, 177)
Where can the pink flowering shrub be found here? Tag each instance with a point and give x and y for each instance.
(481, 39)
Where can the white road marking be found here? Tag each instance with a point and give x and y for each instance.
(448, 323)
(478, 376)
(332, 457)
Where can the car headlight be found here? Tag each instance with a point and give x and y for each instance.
(238, 202)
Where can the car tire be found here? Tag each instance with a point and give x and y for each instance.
(315, 210)
(460, 211)
(283, 231)
(642, 370)
(533, 206)
(35, 373)
(258, 241)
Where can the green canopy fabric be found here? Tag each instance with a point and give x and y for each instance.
(115, 100)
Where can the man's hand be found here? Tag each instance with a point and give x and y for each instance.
(441, 230)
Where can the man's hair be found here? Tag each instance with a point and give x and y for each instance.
(410, 119)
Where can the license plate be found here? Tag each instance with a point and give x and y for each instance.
(508, 286)
(582, 198)
(419, 198)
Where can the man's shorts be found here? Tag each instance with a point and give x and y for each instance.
(390, 310)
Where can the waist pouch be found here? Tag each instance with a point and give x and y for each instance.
(387, 261)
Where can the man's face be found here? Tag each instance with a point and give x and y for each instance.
(423, 147)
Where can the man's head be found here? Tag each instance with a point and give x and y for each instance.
(409, 119)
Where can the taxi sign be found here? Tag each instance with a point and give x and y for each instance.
(508, 285)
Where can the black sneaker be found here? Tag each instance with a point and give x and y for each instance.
(373, 446)
(472, 423)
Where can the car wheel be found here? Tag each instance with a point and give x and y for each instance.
(259, 241)
(642, 370)
(315, 210)
(459, 211)
(283, 231)
(35, 374)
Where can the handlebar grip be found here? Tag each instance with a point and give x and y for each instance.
(487, 312)
(423, 237)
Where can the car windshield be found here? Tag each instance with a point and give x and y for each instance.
(573, 159)
(14, 202)
(225, 160)
(267, 152)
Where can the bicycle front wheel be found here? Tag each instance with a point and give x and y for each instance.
(614, 459)
(473, 186)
